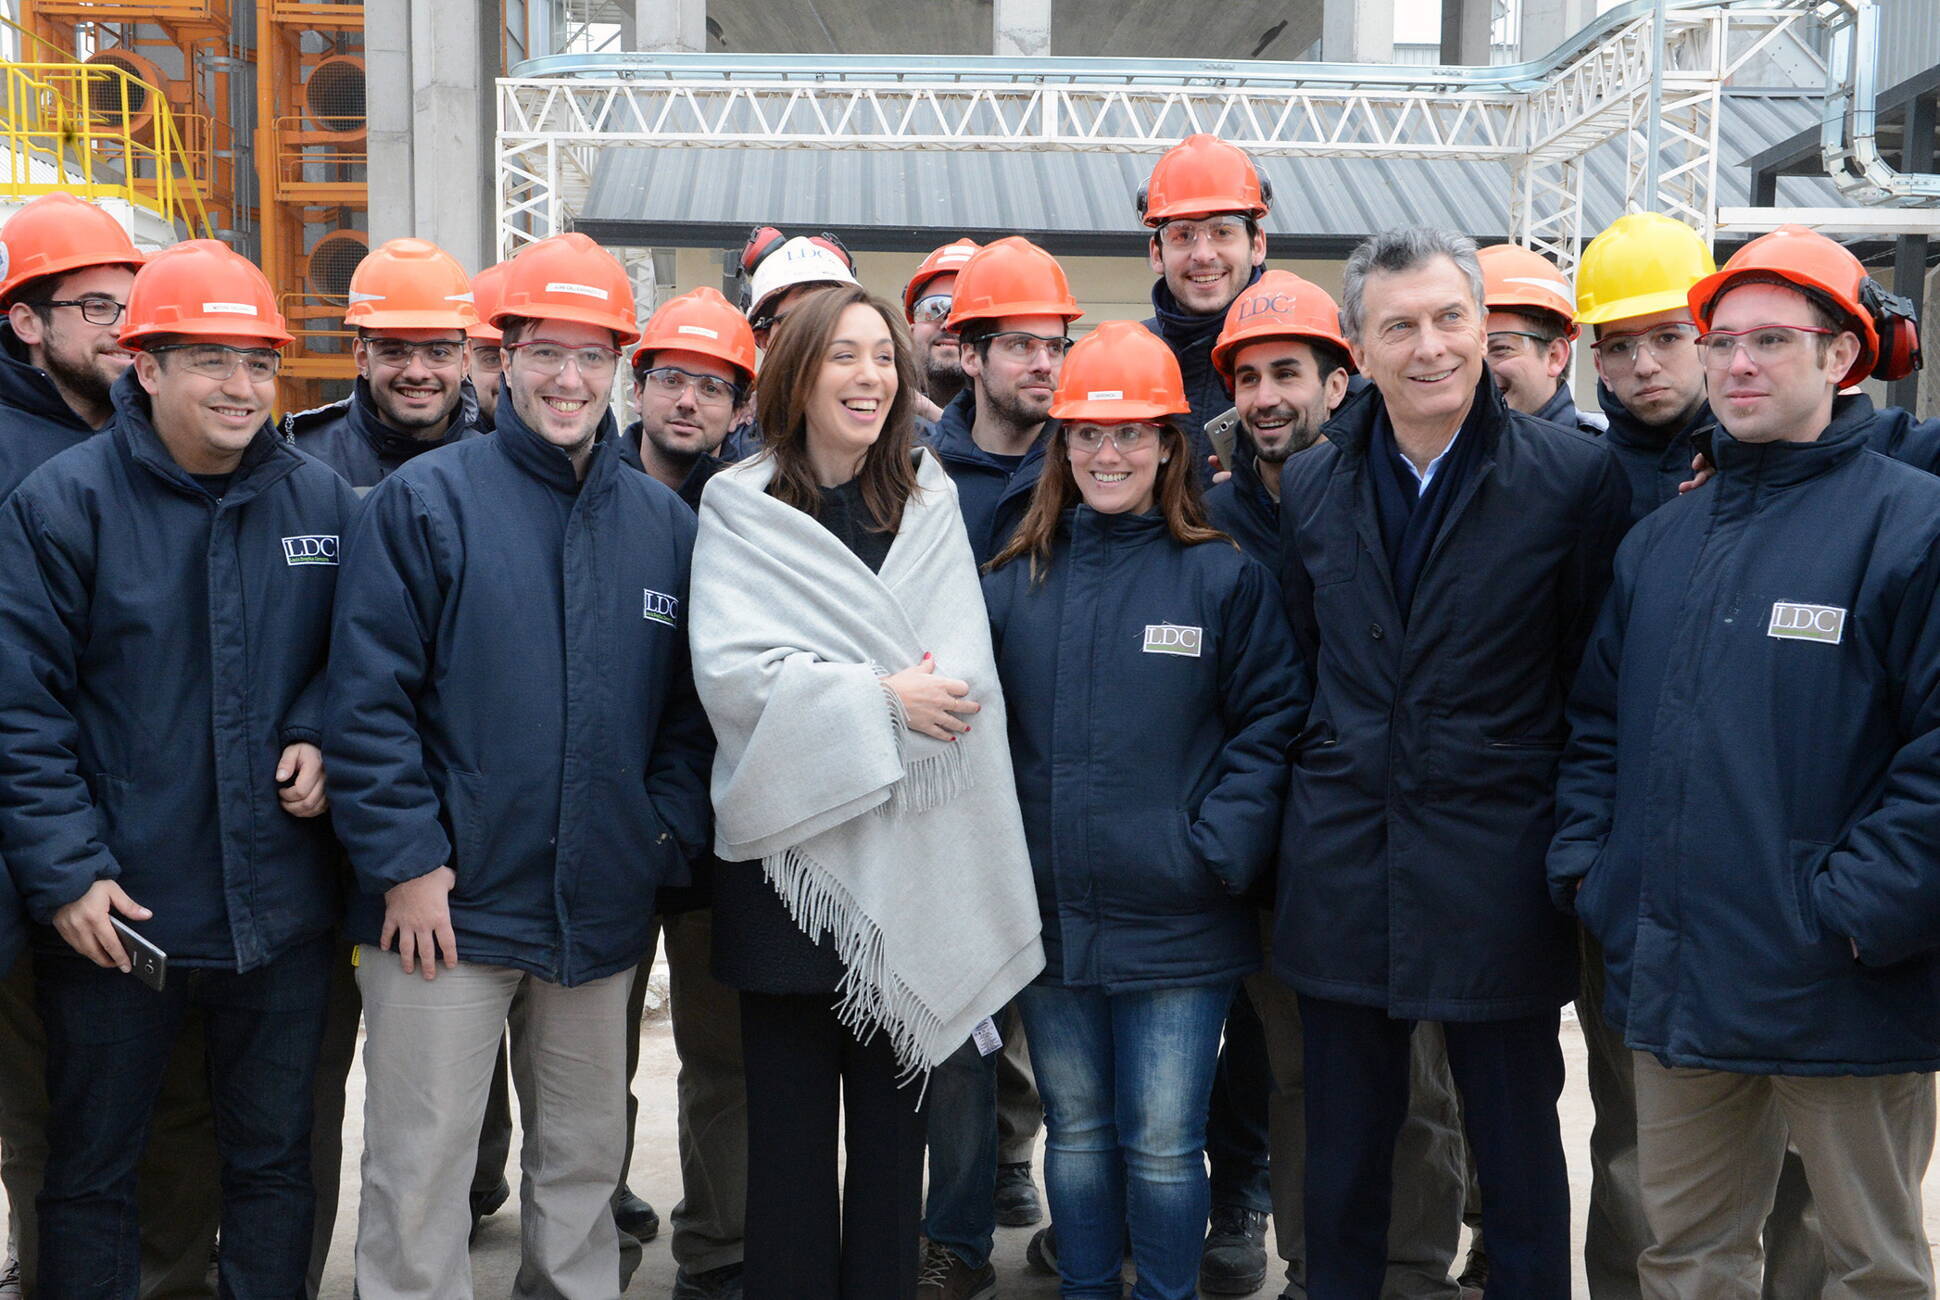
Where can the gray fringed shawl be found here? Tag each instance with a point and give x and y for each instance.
(909, 851)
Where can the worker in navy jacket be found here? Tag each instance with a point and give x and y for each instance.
(1444, 558)
(411, 305)
(1747, 805)
(519, 761)
(1124, 625)
(164, 607)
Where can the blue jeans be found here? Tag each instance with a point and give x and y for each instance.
(1126, 1079)
(961, 1212)
(108, 1040)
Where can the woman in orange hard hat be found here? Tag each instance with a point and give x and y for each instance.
(1152, 685)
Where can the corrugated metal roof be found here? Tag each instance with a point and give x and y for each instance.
(1081, 202)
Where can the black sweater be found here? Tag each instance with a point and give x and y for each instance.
(758, 948)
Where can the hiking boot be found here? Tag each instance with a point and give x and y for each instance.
(634, 1216)
(943, 1276)
(1017, 1203)
(723, 1283)
(1042, 1253)
(1233, 1261)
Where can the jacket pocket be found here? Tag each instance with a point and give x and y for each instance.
(464, 803)
(1807, 859)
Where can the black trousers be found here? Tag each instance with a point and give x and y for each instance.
(810, 1233)
(1509, 1074)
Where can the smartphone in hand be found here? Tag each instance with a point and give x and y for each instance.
(146, 962)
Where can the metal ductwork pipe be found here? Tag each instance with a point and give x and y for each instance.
(331, 261)
(105, 103)
(1849, 130)
(333, 95)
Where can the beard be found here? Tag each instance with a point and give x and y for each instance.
(942, 377)
(86, 380)
(1301, 433)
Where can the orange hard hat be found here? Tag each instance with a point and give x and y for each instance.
(1278, 305)
(488, 286)
(407, 284)
(56, 233)
(1200, 176)
(1120, 371)
(1829, 274)
(702, 321)
(568, 277)
(943, 261)
(1518, 279)
(1011, 277)
(201, 287)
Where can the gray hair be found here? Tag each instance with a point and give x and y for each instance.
(1403, 249)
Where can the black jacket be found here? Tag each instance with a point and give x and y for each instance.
(1655, 458)
(1894, 432)
(1561, 409)
(35, 420)
(510, 696)
(1422, 798)
(162, 648)
(1152, 690)
(351, 438)
(1191, 339)
(1245, 511)
(1754, 766)
(992, 497)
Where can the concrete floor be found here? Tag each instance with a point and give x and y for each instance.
(656, 1175)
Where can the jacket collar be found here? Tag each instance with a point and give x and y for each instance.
(1769, 465)
(265, 460)
(705, 467)
(394, 444)
(1082, 522)
(547, 463)
(1353, 423)
(1182, 328)
(26, 387)
(1628, 431)
(955, 443)
(1560, 408)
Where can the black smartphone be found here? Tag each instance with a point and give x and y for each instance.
(146, 962)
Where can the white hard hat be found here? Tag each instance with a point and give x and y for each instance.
(799, 261)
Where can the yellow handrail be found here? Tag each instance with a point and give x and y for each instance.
(80, 121)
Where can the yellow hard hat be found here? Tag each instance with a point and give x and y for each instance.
(1642, 264)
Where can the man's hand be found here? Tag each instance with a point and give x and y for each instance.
(84, 923)
(926, 409)
(299, 780)
(1219, 475)
(1701, 472)
(418, 914)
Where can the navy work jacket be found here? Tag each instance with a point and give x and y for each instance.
(1422, 797)
(162, 647)
(350, 437)
(1754, 766)
(1245, 511)
(35, 420)
(510, 697)
(1152, 691)
(992, 497)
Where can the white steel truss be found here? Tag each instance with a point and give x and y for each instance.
(1537, 119)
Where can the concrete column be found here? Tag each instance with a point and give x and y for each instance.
(670, 26)
(1465, 31)
(1548, 23)
(1357, 31)
(431, 66)
(1021, 28)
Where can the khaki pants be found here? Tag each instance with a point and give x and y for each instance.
(1617, 1233)
(1429, 1157)
(428, 1055)
(180, 1189)
(1710, 1145)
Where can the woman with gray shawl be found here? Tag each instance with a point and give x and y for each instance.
(875, 902)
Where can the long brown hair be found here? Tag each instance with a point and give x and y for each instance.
(1176, 494)
(789, 373)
